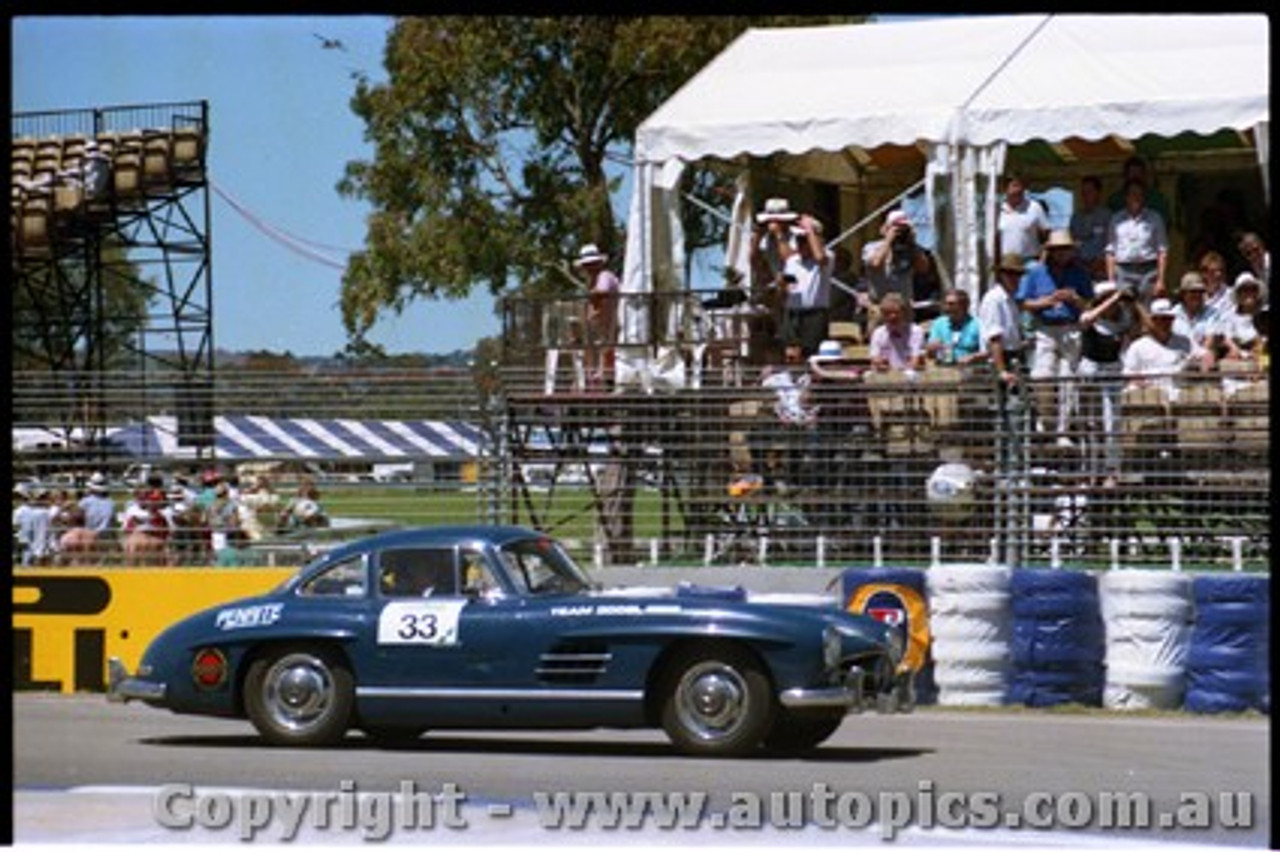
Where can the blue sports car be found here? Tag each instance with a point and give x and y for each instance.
(497, 627)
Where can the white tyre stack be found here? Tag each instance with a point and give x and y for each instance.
(971, 624)
(1147, 615)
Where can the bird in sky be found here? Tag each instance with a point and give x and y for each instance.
(330, 43)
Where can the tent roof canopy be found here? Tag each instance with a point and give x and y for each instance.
(1093, 79)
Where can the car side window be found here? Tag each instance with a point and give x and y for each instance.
(477, 575)
(344, 579)
(417, 572)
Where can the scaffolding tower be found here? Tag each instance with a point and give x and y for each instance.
(110, 238)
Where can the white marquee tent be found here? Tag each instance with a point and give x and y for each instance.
(960, 90)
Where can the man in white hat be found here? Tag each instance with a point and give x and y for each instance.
(1107, 327)
(1055, 292)
(602, 312)
(892, 262)
(95, 171)
(98, 507)
(807, 275)
(999, 321)
(771, 240)
(1157, 356)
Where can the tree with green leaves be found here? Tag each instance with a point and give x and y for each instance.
(491, 137)
(67, 317)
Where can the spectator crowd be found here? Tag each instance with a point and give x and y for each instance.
(206, 520)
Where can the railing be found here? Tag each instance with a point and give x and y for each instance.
(856, 467)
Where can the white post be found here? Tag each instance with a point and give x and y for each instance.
(1055, 552)
(599, 554)
(1115, 553)
(994, 558)
(553, 362)
(877, 552)
(1175, 553)
(764, 549)
(708, 549)
(935, 551)
(1237, 553)
(653, 551)
(822, 551)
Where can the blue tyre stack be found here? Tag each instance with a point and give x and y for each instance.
(854, 580)
(1227, 668)
(1059, 641)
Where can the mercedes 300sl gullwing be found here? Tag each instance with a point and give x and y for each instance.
(487, 627)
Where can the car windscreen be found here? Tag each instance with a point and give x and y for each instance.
(540, 566)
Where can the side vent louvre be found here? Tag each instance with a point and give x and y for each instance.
(573, 664)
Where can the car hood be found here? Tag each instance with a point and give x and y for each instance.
(689, 591)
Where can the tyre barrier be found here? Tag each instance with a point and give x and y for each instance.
(1058, 640)
(1226, 664)
(897, 596)
(971, 623)
(1148, 632)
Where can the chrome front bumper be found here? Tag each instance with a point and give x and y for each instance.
(122, 688)
(848, 695)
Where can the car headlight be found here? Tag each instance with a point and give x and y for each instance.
(832, 648)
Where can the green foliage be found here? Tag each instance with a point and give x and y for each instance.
(491, 137)
(55, 309)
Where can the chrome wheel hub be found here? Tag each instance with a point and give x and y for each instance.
(299, 690)
(711, 700)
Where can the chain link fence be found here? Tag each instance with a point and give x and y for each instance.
(759, 464)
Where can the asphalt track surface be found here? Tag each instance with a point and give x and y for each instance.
(88, 772)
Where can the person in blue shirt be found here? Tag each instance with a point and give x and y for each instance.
(1055, 292)
(954, 337)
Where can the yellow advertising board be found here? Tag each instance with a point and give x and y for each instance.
(68, 621)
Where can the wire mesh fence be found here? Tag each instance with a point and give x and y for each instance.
(757, 464)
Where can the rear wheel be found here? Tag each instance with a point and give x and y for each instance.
(298, 696)
(795, 732)
(718, 702)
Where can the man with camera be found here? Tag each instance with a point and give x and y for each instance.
(893, 262)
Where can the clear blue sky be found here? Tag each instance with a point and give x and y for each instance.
(281, 133)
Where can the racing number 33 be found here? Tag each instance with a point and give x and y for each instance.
(419, 623)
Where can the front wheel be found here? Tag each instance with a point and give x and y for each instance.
(718, 702)
(299, 696)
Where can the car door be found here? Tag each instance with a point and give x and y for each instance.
(437, 626)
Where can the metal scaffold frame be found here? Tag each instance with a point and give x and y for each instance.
(118, 274)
